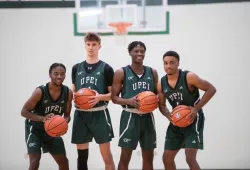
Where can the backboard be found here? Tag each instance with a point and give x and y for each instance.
(146, 16)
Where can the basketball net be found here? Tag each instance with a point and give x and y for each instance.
(120, 31)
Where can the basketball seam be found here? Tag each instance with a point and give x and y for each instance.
(150, 103)
(82, 103)
(82, 95)
(181, 119)
(54, 126)
(146, 96)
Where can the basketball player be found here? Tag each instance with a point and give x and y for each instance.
(134, 126)
(182, 88)
(46, 101)
(95, 122)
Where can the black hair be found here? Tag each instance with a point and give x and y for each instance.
(56, 65)
(173, 54)
(134, 44)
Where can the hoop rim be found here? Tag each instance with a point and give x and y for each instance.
(121, 27)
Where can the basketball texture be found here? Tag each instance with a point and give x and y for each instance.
(179, 116)
(148, 101)
(81, 98)
(56, 126)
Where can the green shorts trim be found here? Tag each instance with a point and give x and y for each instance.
(188, 137)
(89, 125)
(37, 140)
(136, 128)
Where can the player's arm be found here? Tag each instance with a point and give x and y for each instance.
(210, 90)
(155, 74)
(162, 102)
(30, 105)
(68, 106)
(116, 90)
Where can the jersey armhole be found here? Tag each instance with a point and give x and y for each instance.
(124, 79)
(108, 75)
(41, 99)
(67, 94)
(155, 88)
(186, 83)
(124, 75)
(162, 79)
(74, 71)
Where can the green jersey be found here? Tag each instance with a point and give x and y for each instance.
(47, 105)
(180, 94)
(134, 84)
(94, 80)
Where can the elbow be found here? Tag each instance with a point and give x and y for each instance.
(213, 89)
(113, 99)
(23, 113)
(160, 108)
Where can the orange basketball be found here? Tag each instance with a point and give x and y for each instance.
(180, 117)
(148, 101)
(81, 98)
(56, 126)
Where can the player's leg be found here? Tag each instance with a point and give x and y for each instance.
(173, 143)
(168, 159)
(147, 140)
(129, 137)
(102, 131)
(147, 157)
(81, 136)
(191, 158)
(83, 155)
(62, 161)
(194, 141)
(125, 158)
(107, 156)
(55, 146)
(34, 145)
(34, 161)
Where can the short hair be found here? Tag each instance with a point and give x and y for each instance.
(90, 36)
(54, 65)
(133, 44)
(173, 54)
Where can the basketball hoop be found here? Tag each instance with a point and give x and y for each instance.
(120, 31)
(121, 27)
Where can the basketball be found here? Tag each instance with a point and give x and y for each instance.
(81, 98)
(148, 101)
(56, 126)
(180, 117)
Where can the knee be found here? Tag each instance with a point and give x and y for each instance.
(191, 156)
(108, 160)
(190, 160)
(64, 162)
(125, 158)
(34, 163)
(167, 158)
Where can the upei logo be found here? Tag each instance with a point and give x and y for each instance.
(126, 140)
(178, 116)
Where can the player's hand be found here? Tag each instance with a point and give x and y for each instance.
(76, 106)
(168, 116)
(94, 99)
(67, 119)
(134, 102)
(47, 117)
(192, 114)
